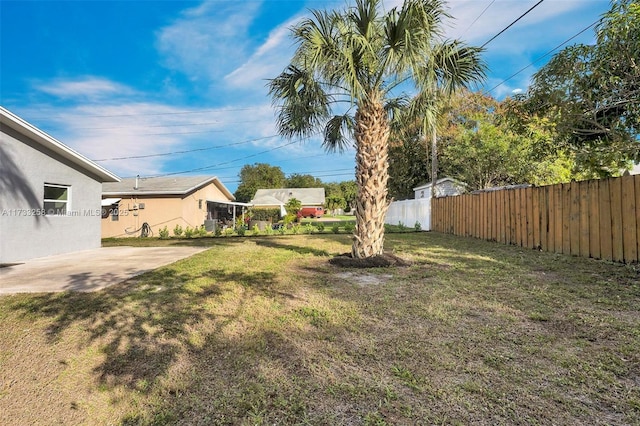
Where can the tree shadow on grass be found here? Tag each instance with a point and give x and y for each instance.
(140, 326)
(281, 243)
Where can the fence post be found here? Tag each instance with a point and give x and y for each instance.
(574, 219)
(629, 226)
(594, 219)
(617, 245)
(584, 219)
(605, 221)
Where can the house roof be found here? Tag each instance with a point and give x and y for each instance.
(274, 197)
(7, 118)
(438, 182)
(500, 188)
(167, 185)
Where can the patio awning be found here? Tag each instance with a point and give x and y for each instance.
(232, 203)
(110, 201)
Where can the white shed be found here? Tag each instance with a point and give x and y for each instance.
(410, 212)
(444, 187)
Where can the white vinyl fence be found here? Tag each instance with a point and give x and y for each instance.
(408, 212)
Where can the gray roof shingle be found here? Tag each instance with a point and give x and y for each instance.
(168, 185)
(307, 196)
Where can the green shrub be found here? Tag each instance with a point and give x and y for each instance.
(335, 228)
(164, 233)
(308, 229)
(289, 218)
(202, 231)
(188, 232)
(349, 227)
(241, 230)
(320, 226)
(255, 230)
(265, 214)
(401, 227)
(177, 231)
(218, 231)
(417, 227)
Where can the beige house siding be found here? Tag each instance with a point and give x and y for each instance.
(160, 211)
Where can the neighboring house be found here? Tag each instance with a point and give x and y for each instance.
(191, 201)
(49, 194)
(444, 187)
(418, 211)
(277, 198)
(500, 188)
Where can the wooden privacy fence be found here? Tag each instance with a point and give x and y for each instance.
(596, 218)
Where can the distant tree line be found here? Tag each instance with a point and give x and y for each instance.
(338, 195)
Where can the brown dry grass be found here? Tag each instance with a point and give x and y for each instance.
(266, 331)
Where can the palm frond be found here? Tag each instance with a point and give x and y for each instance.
(338, 133)
(457, 65)
(305, 105)
(409, 35)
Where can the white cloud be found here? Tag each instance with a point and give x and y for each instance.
(268, 61)
(208, 40)
(87, 88)
(116, 126)
(502, 13)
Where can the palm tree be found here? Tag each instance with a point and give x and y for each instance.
(356, 60)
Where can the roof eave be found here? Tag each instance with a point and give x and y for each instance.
(11, 120)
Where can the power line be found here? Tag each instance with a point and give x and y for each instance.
(541, 57)
(312, 173)
(225, 162)
(147, 114)
(511, 24)
(186, 151)
(167, 125)
(479, 16)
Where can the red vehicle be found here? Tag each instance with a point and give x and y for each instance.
(312, 212)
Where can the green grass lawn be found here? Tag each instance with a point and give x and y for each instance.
(263, 330)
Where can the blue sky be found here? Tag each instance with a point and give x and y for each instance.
(125, 82)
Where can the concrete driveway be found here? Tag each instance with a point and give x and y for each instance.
(88, 270)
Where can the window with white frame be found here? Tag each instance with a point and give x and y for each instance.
(56, 199)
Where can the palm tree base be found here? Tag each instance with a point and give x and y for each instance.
(384, 260)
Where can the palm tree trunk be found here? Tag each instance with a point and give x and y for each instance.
(434, 161)
(371, 135)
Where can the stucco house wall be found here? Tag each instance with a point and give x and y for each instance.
(125, 219)
(158, 208)
(26, 165)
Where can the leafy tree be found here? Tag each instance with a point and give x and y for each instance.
(349, 190)
(258, 176)
(293, 206)
(408, 165)
(359, 56)
(592, 93)
(482, 142)
(333, 203)
(484, 149)
(332, 189)
(297, 180)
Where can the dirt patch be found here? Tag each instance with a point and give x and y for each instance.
(363, 279)
(381, 261)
